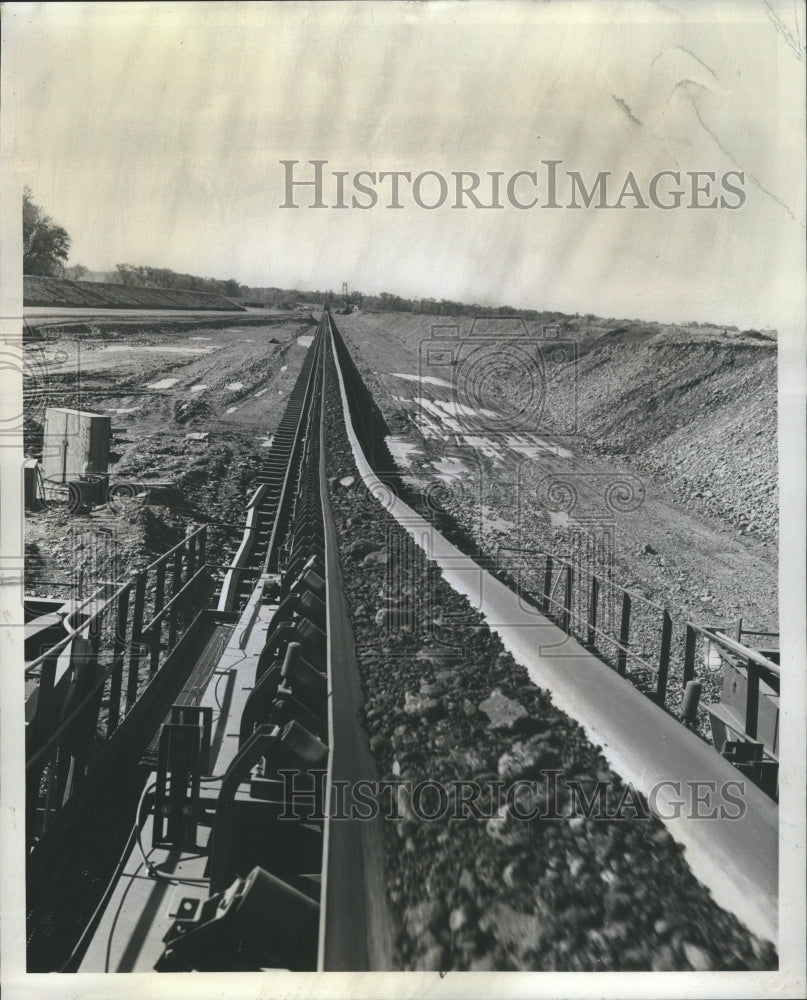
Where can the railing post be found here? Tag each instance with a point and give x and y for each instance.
(191, 566)
(86, 723)
(43, 725)
(190, 596)
(567, 600)
(545, 605)
(35, 820)
(624, 634)
(202, 545)
(752, 700)
(593, 603)
(118, 652)
(689, 656)
(664, 659)
(176, 586)
(738, 628)
(137, 635)
(157, 629)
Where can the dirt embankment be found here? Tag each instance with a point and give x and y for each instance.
(696, 408)
(43, 291)
(700, 417)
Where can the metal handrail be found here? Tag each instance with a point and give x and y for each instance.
(560, 560)
(76, 632)
(62, 644)
(746, 652)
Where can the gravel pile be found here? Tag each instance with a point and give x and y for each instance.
(444, 702)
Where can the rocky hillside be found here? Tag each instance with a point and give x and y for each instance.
(699, 416)
(694, 406)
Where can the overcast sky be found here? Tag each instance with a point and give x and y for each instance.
(153, 133)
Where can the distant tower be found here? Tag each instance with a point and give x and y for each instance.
(344, 290)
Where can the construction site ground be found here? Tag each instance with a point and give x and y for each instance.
(687, 417)
(193, 401)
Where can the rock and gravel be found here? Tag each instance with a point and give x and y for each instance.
(448, 704)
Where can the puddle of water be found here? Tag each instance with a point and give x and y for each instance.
(305, 341)
(466, 411)
(198, 388)
(431, 428)
(531, 445)
(123, 409)
(449, 468)
(259, 393)
(234, 386)
(164, 383)
(430, 406)
(485, 446)
(198, 338)
(232, 409)
(423, 379)
(402, 450)
(161, 349)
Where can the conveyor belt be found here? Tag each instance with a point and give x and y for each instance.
(737, 859)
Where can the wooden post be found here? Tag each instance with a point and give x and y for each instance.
(118, 653)
(546, 605)
(689, 656)
(664, 659)
(137, 635)
(624, 634)
(593, 602)
(738, 628)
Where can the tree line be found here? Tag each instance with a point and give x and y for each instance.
(46, 246)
